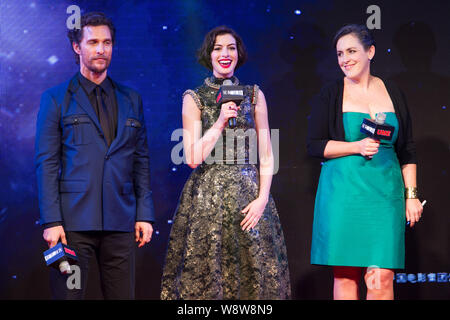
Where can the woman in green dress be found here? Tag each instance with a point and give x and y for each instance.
(360, 210)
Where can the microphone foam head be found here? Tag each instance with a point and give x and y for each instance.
(64, 267)
(380, 117)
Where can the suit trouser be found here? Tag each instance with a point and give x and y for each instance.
(115, 254)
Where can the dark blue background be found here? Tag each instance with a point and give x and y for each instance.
(290, 58)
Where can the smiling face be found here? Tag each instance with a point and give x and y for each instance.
(224, 56)
(95, 48)
(353, 58)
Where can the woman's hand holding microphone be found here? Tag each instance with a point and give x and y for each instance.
(368, 147)
(227, 111)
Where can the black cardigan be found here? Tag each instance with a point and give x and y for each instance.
(325, 121)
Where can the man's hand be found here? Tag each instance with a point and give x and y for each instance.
(53, 234)
(143, 231)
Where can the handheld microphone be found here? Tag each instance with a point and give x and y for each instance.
(377, 129)
(229, 92)
(60, 257)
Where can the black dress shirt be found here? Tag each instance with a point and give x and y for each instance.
(107, 114)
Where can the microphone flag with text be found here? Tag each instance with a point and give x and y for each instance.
(377, 129)
(229, 92)
(60, 257)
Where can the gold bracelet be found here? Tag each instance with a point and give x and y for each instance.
(411, 193)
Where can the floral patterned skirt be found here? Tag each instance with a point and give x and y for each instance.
(209, 256)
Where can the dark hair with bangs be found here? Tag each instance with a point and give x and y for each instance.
(364, 35)
(204, 53)
(90, 19)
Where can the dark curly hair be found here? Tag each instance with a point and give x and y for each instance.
(364, 35)
(90, 19)
(204, 53)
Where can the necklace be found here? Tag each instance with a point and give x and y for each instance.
(210, 84)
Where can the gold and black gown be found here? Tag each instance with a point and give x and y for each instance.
(209, 256)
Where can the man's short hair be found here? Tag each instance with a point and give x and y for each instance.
(90, 19)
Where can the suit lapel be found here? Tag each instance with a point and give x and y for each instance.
(81, 98)
(123, 106)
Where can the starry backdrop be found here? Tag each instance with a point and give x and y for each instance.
(290, 58)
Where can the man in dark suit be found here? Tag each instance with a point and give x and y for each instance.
(92, 167)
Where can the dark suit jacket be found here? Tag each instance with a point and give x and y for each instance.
(81, 182)
(325, 121)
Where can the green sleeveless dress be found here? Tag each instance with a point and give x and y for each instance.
(359, 214)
